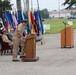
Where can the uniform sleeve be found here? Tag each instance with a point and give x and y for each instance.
(19, 27)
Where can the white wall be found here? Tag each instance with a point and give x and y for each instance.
(61, 15)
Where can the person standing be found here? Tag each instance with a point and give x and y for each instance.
(18, 39)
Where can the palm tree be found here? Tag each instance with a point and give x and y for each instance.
(70, 3)
(18, 2)
(5, 5)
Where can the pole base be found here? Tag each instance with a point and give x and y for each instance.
(30, 59)
(67, 47)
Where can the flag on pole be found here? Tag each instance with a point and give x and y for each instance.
(6, 20)
(23, 15)
(10, 19)
(14, 20)
(38, 25)
(32, 21)
(16, 15)
(38, 17)
(40, 22)
(19, 17)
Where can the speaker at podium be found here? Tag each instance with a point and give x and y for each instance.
(30, 48)
(67, 36)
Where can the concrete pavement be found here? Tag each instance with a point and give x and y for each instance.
(52, 60)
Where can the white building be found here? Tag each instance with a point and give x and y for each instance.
(62, 13)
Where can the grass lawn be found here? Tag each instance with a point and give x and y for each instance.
(56, 25)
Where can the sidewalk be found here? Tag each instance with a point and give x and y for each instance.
(52, 60)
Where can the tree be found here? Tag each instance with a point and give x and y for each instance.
(44, 13)
(70, 3)
(18, 3)
(5, 5)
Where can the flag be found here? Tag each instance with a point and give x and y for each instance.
(32, 21)
(10, 19)
(38, 17)
(40, 22)
(14, 20)
(16, 15)
(9, 14)
(25, 14)
(6, 20)
(38, 29)
(5, 24)
(19, 17)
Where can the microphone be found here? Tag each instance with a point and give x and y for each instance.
(64, 23)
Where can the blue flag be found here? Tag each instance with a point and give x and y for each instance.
(6, 16)
(38, 17)
(9, 19)
(19, 17)
(40, 22)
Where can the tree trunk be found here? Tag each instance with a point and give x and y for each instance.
(18, 2)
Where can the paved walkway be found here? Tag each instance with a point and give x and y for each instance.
(52, 60)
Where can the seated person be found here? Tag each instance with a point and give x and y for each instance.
(10, 35)
(5, 38)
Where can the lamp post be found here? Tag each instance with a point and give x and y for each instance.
(59, 7)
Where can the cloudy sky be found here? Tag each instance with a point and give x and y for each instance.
(49, 4)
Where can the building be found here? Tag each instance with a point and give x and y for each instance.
(62, 13)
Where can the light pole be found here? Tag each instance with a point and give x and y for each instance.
(59, 7)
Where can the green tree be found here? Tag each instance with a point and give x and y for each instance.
(18, 3)
(5, 5)
(70, 3)
(44, 13)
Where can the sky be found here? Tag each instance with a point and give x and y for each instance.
(49, 4)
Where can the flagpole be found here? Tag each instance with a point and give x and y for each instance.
(28, 12)
(31, 5)
(38, 4)
(59, 7)
(27, 5)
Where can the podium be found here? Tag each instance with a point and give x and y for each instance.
(67, 37)
(30, 48)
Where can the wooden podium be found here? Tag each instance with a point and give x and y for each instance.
(67, 37)
(30, 48)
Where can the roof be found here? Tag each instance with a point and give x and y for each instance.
(62, 11)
